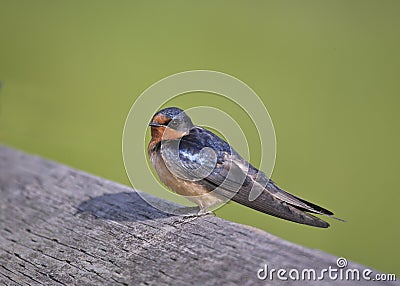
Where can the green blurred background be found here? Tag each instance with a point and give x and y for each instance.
(328, 72)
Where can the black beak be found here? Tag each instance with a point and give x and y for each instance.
(155, 124)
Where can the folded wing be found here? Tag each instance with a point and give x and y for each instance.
(225, 172)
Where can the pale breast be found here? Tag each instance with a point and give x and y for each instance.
(191, 190)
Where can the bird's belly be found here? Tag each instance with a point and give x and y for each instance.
(192, 191)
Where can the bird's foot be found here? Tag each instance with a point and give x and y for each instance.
(187, 211)
(203, 212)
(192, 212)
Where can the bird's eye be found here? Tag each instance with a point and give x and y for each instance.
(173, 123)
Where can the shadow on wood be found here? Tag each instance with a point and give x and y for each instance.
(124, 206)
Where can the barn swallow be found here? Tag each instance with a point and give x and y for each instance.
(196, 163)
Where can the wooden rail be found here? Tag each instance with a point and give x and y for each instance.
(61, 226)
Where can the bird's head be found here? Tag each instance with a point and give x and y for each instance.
(170, 123)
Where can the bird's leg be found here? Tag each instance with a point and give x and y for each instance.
(189, 214)
(204, 211)
(187, 211)
(193, 212)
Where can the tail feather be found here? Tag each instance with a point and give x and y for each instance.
(268, 204)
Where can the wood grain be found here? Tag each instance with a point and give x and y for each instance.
(61, 226)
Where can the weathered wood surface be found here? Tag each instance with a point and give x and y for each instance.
(60, 226)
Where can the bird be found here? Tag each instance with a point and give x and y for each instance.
(199, 165)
